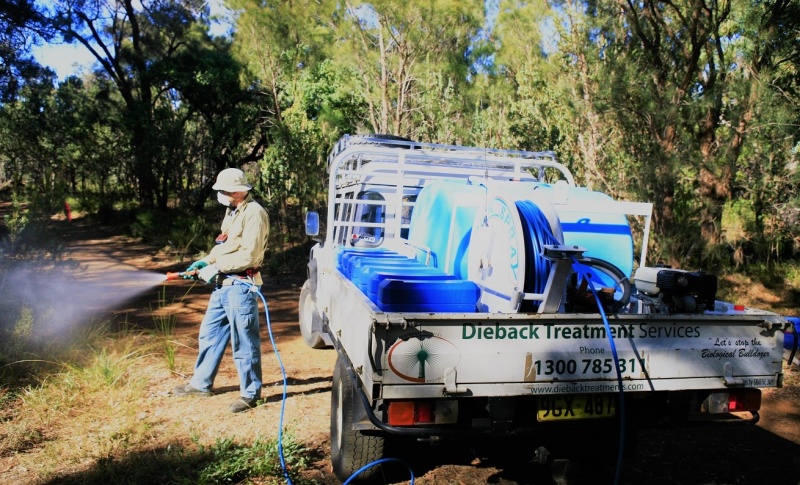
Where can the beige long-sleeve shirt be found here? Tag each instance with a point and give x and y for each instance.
(247, 228)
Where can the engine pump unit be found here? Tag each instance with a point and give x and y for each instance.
(676, 290)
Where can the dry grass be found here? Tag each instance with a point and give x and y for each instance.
(107, 418)
(82, 414)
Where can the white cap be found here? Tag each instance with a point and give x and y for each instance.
(232, 180)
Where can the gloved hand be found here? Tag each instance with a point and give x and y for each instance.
(193, 269)
(208, 272)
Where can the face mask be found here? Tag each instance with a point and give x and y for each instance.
(223, 199)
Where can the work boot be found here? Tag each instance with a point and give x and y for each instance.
(244, 404)
(188, 390)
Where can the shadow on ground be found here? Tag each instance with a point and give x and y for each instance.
(682, 456)
(225, 463)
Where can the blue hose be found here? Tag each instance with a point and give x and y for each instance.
(255, 289)
(537, 233)
(584, 274)
(378, 462)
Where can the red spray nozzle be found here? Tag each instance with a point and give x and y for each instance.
(181, 274)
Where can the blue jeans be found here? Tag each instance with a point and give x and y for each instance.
(232, 315)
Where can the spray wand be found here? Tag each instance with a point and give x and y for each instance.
(181, 274)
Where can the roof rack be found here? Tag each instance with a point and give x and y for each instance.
(400, 142)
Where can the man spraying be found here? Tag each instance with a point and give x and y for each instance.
(232, 312)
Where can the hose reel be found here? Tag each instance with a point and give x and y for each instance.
(523, 266)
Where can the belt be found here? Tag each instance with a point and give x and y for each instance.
(248, 273)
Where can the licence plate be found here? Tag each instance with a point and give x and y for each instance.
(575, 406)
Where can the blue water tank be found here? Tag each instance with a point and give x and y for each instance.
(442, 221)
(605, 236)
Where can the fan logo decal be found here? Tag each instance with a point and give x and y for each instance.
(422, 357)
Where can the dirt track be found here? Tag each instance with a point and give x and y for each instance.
(768, 453)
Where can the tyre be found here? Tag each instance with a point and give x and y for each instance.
(350, 449)
(309, 319)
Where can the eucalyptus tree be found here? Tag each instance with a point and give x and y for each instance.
(212, 120)
(132, 41)
(689, 104)
(21, 26)
(26, 149)
(531, 97)
(281, 46)
(403, 50)
(99, 153)
(549, 56)
(64, 140)
(766, 191)
(691, 83)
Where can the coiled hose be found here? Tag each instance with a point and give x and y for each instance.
(537, 233)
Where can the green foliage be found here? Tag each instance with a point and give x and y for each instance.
(16, 341)
(691, 105)
(149, 224)
(164, 322)
(286, 262)
(792, 272)
(185, 232)
(232, 463)
(16, 221)
(110, 369)
(738, 221)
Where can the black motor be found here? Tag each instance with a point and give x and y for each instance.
(701, 287)
(676, 290)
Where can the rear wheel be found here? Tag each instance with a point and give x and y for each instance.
(350, 449)
(309, 319)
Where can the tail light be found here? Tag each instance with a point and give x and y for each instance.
(734, 401)
(422, 412)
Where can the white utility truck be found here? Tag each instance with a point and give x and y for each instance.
(480, 294)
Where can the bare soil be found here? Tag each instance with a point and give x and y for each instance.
(767, 453)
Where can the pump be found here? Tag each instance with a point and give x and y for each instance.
(666, 290)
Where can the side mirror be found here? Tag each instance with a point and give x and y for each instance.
(312, 223)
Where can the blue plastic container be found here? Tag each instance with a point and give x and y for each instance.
(353, 265)
(372, 282)
(789, 338)
(348, 260)
(363, 275)
(362, 268)
(424, 296)
(345, 253)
